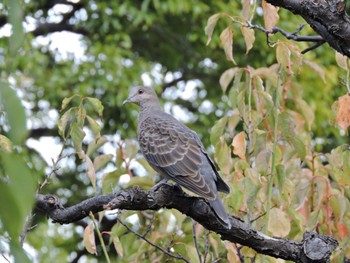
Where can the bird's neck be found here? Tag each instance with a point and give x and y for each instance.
(148, 110)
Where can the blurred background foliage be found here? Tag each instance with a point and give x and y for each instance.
(99, 49)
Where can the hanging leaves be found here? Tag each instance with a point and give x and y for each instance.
(226, 38)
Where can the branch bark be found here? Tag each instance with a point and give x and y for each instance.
(327, 17)
(313, 248)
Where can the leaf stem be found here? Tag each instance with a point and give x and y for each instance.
(91, 215)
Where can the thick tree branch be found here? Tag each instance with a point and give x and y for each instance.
(313, 247)
(327, 17)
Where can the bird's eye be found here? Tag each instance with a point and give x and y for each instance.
(140, 91)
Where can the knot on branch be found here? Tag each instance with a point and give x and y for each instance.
(317, 248)
(48, 203)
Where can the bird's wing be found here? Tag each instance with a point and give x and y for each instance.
(172, 150)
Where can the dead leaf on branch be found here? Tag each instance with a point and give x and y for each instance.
(343, 112)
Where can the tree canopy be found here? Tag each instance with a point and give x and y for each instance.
(264, 84)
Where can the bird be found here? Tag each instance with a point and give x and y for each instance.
(176, 152)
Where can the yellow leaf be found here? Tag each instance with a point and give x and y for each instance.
(91, 171)
(89, 239)
(232, 253)
(227, 77)
(226, 38)
(343, 112)
(249, 37)
(239, 145)
(279, 223)
(271, 16)
(317, 68)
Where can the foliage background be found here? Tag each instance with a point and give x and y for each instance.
(163, 44)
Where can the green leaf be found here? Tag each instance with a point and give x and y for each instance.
(306, 111)
(117, 245)
(81, 116)
(77, 134)
(15, 113)
(218, 130)
(223, 156)
(18, 192)
(91, 171)
(94, 145)
(131, 148)
(64, 123)
(66, 101)
(209, 29)
(15, 18)
(101, 161)
(96, 103)
(95, 127)
(110, 181)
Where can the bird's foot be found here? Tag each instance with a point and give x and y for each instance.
(157, 185)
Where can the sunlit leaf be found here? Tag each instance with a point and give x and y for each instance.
(64, 123)
(81, 115)
(5, 144)
(89, 239)
(226, 38)
(209, 29)
(342, 60)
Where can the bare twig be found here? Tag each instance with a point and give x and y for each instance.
(180, 257)
(194, 223)
(206, 245)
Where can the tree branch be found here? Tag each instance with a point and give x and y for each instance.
(327, 17)
(313, 248)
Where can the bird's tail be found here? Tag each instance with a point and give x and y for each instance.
(220, 211)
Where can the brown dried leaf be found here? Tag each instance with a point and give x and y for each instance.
(239, 145)
(271, 16)
(249, 37)
(89, 239)
(246, 9)
(226, 38)
(343, 112)
(209, 29)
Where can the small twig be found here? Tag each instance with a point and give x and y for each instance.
(180, 257)
(238, 248)
(6, 259)
(27, 228)
(149, 228)
(91, 215)
(194, 223)
(313, 47)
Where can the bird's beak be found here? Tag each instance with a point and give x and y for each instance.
(126, 101)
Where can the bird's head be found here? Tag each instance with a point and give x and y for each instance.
(142, 96)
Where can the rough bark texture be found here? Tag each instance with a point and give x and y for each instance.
(327, 17)
(313, 248)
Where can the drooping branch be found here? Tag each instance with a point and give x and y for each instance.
(313, 247)
(327, 17)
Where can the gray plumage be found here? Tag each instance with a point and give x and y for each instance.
(176, 152)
